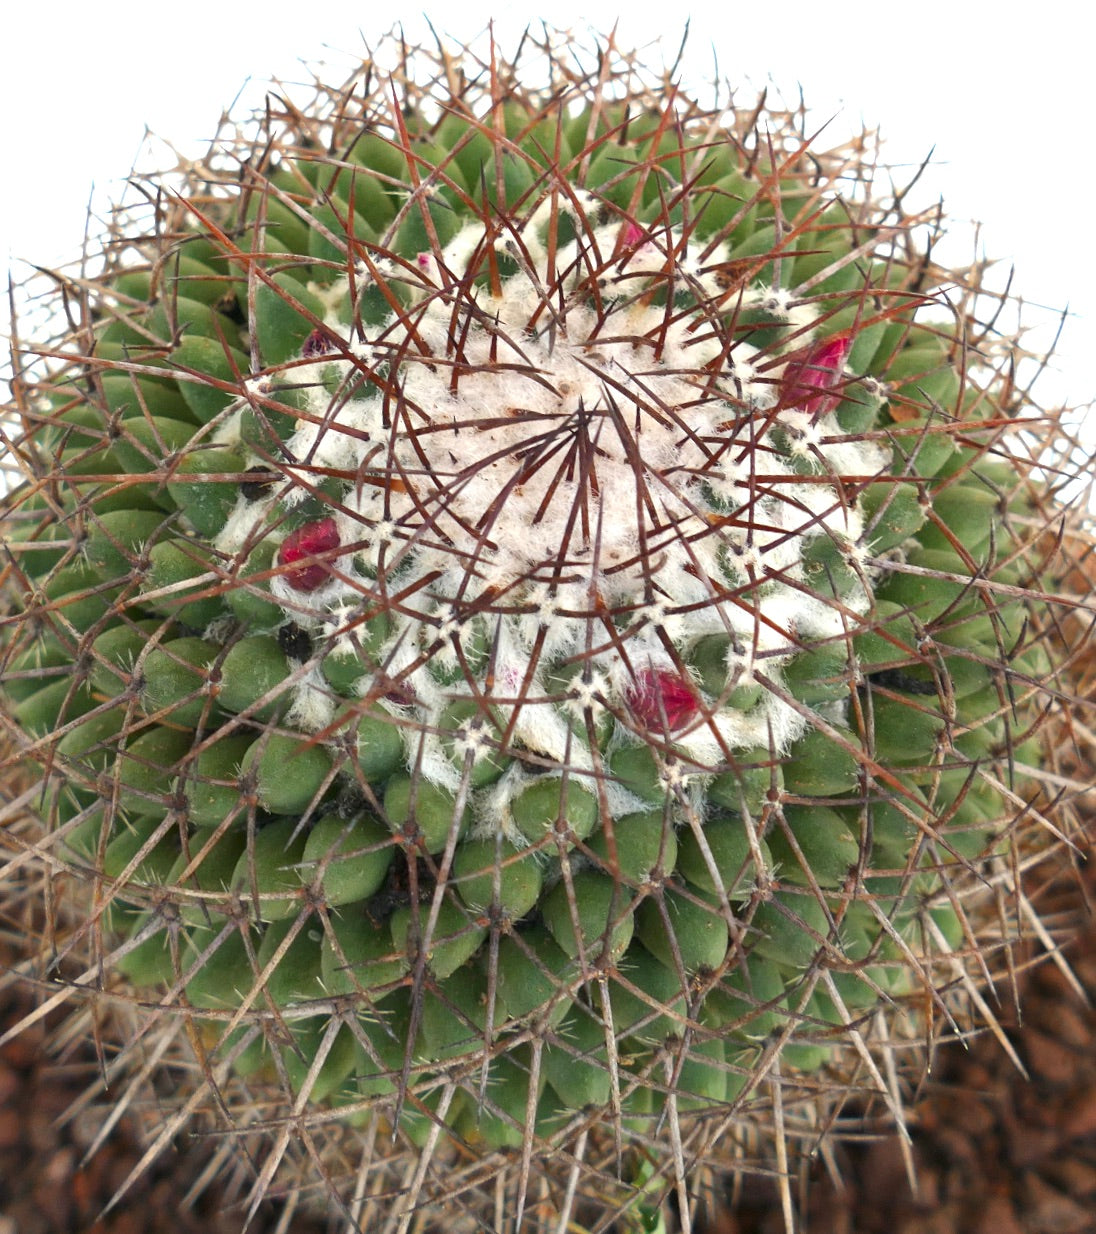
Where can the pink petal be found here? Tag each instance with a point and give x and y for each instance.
(319, 537)
(807, 380)
(660, 699)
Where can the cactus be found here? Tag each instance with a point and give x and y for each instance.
(533, 609)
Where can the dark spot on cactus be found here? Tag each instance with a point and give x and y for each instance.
(897, 679)
(249, 782)
(295, 642)
(319, 343)
(229, 306)
(351, 801)
(253, 490)
(400, 693)
(396, 892)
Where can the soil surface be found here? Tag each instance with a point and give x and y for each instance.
(994, 1154)
(47, 1186)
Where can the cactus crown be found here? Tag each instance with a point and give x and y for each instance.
(533, 610)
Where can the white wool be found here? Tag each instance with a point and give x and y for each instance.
(428, 757)
(566, 494)
(244, 526)
(313, 707)
(492, 812)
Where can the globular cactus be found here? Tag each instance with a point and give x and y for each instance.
(533, 604)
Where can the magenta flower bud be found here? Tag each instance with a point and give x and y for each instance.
(809, 379)
(313, 538)
(661, 699)
(632, 236)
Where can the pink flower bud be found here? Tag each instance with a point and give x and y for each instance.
(662, 700)
(632, 235)
(319, 537)
(809, 378)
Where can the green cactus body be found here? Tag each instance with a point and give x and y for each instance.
(550, 577)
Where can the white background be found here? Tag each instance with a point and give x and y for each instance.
(1003, 101)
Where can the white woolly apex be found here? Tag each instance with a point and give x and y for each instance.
(780, 303)
(805, 439)
(776, 301)
(567, 476)
(588, 695)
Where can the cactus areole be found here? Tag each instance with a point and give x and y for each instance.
(528, 608)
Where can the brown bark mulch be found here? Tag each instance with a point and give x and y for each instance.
(46, 1186)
